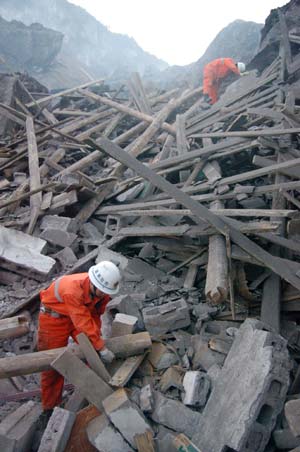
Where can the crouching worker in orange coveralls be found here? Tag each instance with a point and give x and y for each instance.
(213, 74)
(71, 305)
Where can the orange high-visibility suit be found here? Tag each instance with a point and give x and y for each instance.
(214, 72)
(67, 309)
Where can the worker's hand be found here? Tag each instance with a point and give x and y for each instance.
(106, 355)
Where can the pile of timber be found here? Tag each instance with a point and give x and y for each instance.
(200, 209)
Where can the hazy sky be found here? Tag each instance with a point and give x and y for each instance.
(177, 31)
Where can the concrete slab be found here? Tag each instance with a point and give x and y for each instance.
(123, 324)
(249, 393)
(166, 317)
(57, 431)
(175, 415)
(58, 237)
(18, 428)
(103, 435)
(20, 252)
(57, 222)
(125, 416)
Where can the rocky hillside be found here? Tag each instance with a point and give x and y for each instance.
(239, 40)
(28, 48)
(86, 43)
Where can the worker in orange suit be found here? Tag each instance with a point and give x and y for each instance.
(73, 304)
(214, 72)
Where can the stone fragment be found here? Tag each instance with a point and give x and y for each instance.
(175, 415)
(196, 386)
(18, 428)
(146, 398)
(105, 254)
(167, 317)
(125, 416)
(90, 231)
(20, 252)
(57, 222)
(164, 440)
(284, 439)
(123, 324)
(249, 394)
(66, 257)
(160, 357)
(204, 357)
(57, 431)
(102, 435)
(172, 378)
(58, 237)
(292, 414)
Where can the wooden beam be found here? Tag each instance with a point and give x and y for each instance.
(34, 174)
(272, 131)
(63, 93)
(122, 347)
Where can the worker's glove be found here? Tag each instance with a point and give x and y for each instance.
(106, 355)
(244, 73)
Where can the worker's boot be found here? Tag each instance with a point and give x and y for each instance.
(44, 418)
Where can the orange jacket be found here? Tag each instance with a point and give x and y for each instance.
(71, 297)
(215, 71)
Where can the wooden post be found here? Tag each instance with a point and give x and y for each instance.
(131, 344)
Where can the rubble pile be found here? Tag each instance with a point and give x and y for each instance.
(199, 208)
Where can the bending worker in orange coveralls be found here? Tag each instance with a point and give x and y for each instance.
(215, 71)
(71, 305)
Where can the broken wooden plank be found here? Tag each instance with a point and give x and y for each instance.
(92, 357)
(222, 225)
(126, 371)
(122, 347)
(34, 174)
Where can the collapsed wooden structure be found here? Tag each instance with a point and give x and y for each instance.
(209, 195)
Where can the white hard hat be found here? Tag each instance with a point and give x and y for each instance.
(106, 277)
(241, 67)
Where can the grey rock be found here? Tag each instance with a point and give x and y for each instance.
(175, 415)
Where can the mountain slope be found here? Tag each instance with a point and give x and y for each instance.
(100, 51)
(239, 40)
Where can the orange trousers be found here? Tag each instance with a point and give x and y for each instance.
(53, 333)
(211, 89)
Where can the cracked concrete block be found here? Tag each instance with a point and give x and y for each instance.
(104, 437)
(125, 416)
(175, 415)
(292, 414)
(58, 237)
(249, 393)
(57, 222)
(20, 253)
(196, 386)
(166, 317)
(123, 324)
(57, 431)
(18, 428)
